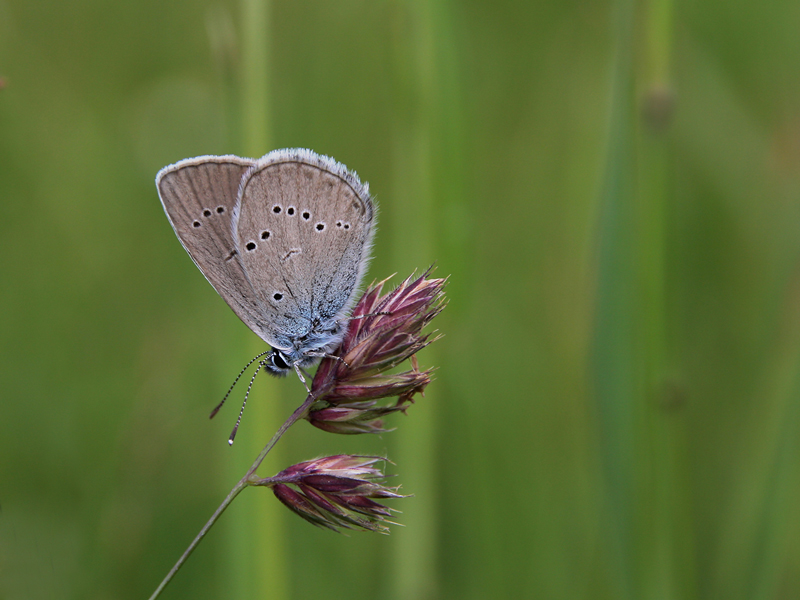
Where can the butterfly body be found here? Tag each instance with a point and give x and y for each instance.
(284, 240)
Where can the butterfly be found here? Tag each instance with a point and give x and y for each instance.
(284, 239)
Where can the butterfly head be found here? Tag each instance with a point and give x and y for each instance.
(277, 363)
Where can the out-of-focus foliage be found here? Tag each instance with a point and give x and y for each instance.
(614, 188)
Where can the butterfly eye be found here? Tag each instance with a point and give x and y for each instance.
(279, 361)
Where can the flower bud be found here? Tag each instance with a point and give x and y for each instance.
(354, 417)
(336, 492)
(383, 332)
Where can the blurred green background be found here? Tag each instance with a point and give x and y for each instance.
(614, 189)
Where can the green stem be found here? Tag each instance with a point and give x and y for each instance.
(233, 493)
(298, 414)
(414, 571)
(253, 561)
(614, 360)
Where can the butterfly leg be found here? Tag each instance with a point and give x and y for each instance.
(300, 375)
(382, 313)
(327, 355)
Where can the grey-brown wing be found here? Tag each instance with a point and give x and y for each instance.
(199, 196)
(303, 230)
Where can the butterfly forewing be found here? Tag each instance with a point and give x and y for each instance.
(303, 230)
(199, 196)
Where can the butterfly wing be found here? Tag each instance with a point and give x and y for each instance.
(303, 228)
(199, 196)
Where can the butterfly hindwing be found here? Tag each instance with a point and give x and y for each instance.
(303, 229)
